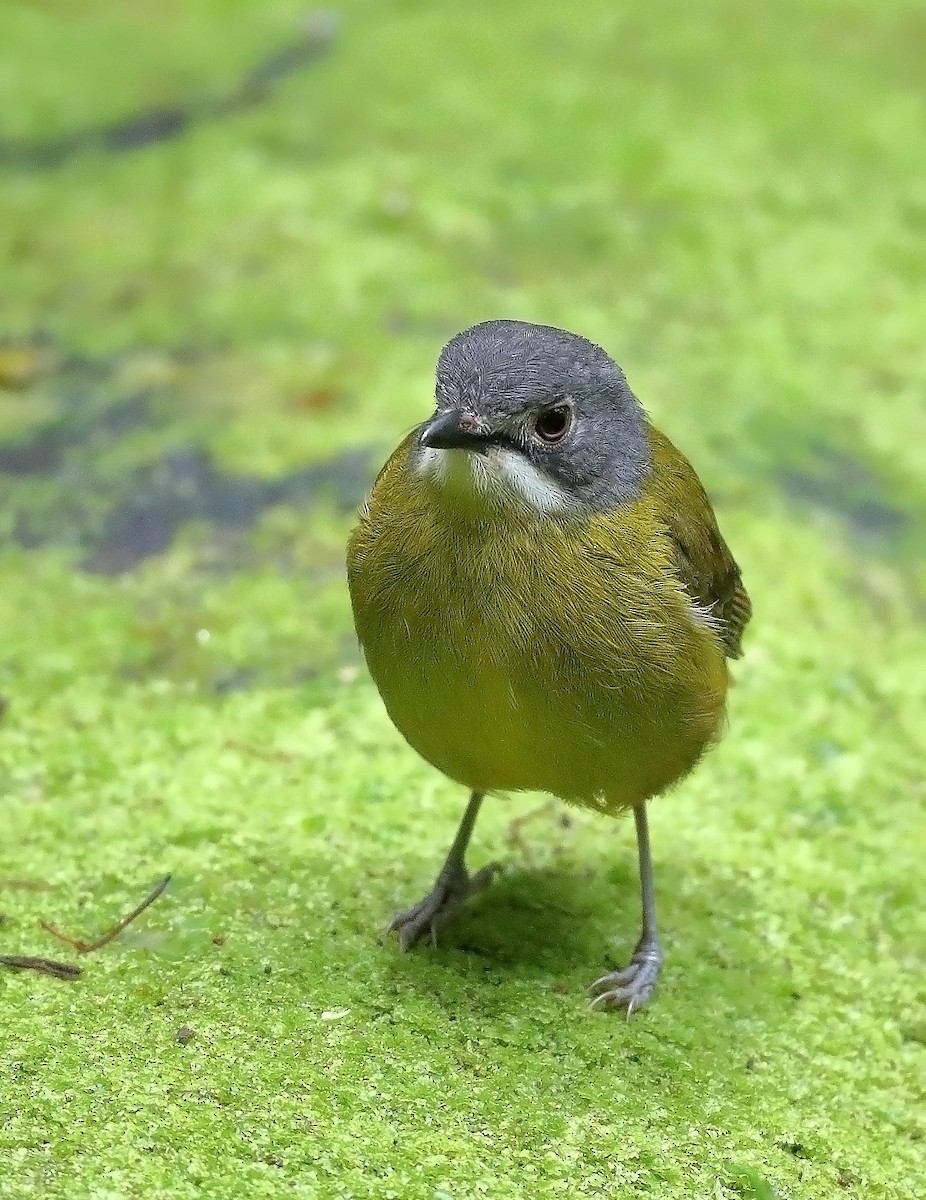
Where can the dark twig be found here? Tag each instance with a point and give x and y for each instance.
(21, 962)
(83, 947)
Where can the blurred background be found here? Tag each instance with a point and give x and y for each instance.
(234, 235)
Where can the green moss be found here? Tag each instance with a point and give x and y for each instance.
(727, 199)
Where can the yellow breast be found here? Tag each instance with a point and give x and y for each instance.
(517, 648)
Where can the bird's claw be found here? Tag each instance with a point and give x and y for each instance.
(435, 910)
(632, 987)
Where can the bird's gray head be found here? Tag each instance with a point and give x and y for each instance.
(542, 416)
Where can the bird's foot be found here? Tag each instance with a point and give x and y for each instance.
(435, 910)
(632, 987)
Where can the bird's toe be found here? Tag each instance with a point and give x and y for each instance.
(632, 987)
(430, 914)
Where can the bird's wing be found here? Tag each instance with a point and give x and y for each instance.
(705, 565)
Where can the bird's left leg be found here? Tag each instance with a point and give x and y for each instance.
(452, 886)
(633, 986)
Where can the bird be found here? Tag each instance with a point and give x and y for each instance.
(545, 602)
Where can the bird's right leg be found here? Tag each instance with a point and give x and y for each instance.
(452, 886)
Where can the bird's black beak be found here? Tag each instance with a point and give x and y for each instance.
(451, 429)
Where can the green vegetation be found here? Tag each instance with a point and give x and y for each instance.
(731, 200)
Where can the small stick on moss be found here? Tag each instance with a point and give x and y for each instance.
(515, 837)
(24, 885)
(21, 962)
(261, 752)
(83, 947)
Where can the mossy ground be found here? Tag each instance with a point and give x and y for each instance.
(731, 200)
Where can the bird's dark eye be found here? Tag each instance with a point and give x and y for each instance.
(553, 423)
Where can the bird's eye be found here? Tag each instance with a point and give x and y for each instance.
(553, 423)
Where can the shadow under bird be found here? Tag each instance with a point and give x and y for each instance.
(544, 600)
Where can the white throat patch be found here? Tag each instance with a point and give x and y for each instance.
(498, 474)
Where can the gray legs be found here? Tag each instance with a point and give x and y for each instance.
(628, 989)
(452, 886)
(633, 986)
